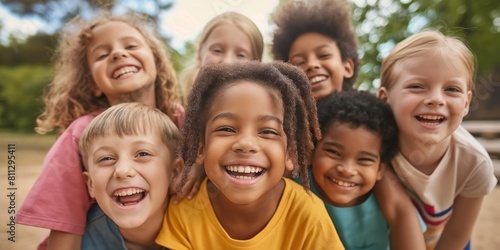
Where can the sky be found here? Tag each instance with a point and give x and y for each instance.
(182, 23)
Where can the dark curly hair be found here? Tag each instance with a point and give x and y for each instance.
(288, 82)
(361, 109)
(331, 18)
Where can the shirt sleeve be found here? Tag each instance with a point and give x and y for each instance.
(59, 199)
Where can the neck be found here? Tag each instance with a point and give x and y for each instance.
(144, 95)
(423, 156)
(144, 236)
(243, 222)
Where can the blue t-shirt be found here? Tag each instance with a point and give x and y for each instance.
(360, 227)
(101, 232)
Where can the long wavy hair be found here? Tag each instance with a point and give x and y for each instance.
(70, 95)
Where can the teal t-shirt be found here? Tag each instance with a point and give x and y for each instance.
(360, 227)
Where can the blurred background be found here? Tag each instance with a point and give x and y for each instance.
(29, 31)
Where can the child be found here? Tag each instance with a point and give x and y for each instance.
(318, 37)
(228, 37)
(359, 139)
(246, 124)
(129, 155)
(100, 63)
(427, 80)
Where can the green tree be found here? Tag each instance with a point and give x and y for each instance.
(381, 24)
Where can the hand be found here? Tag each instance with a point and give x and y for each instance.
(190, 187)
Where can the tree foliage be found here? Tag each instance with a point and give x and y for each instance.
(381, 24)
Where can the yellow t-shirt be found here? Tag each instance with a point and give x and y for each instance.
(300, 222)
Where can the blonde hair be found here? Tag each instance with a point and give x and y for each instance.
(238, 20)
(71, 94)
(421, 44)
(132, 118)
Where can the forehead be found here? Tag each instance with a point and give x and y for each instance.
(349, 135)
(113, 30)
(247, 93)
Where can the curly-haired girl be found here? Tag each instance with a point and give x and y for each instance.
(99, 63)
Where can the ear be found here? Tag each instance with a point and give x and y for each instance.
(348, 68)
(288, 163)
(200, 158)
(88, 180)
(467, 103)
(381, 170)
(383, 94)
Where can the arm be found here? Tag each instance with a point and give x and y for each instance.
(399, 212)
(458, 229)
(192, 185)
(61, 240)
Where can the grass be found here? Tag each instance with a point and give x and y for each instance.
(30, 148)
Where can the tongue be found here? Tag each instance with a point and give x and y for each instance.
(131, 199)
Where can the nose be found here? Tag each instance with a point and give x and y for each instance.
(346, 170)
(117, 54)
(228, 58)
(435, 98)
(124, 169)
(311, 63)
(246, 143)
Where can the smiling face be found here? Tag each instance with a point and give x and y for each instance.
(121, 62)
(129, 177)
(320, 58)
(429, 98)
(346, 164)
(226, 44)
(245, 147)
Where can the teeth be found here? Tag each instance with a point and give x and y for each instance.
(343, 183)
(244, 169)
(317, 79)
(431, 117)
(128, 191)
(125, 70)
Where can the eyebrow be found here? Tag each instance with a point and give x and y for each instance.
(261, 117)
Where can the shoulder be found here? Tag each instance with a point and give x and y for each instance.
(301, 200)
(466, 145)
(77, 126)
(101, 231)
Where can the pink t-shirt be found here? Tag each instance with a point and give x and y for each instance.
(59, 199)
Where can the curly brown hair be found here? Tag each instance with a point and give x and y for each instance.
(292, 86)
(331, 18)
(70, 94)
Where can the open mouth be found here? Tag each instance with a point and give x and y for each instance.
(431, 119)
(342, 183)
(245, 172)
(129, 196)
(121, 72)
(317, 79)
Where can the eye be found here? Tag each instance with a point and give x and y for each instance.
(101, 56)
(105, 159)
(143, 154)
(415, 86)
(325, 56)
(225, 129)
(366, 161)
(332, 153)
(217, 50)
(131, 46)
(241, 55)
(454, 89)
(268, 132)
(298, 62)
